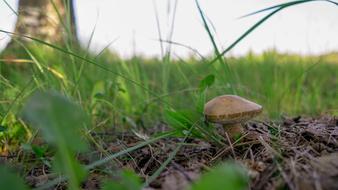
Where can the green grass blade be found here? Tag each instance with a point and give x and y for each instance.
(10, 7)
(219, 57)
(158, 27)
(284, 4)
(278, 6)
(251, 29)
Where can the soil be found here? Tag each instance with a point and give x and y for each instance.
(296, 153)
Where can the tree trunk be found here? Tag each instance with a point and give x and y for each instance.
(52, 21)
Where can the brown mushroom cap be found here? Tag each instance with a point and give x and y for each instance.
(230, 109)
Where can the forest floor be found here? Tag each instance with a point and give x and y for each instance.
(296, 153)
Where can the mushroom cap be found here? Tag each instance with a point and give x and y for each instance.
(230, 109)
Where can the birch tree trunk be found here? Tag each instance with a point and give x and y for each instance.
(52, 21)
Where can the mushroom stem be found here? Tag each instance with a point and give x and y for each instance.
(233, 130)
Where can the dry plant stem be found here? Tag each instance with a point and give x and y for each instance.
(233, 130)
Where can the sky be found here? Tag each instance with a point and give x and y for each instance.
(130, 26)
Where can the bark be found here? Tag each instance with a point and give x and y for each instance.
(52, 21)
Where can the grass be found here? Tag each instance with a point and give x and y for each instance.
(283, 84)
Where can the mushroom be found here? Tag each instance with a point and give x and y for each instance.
(231, 111)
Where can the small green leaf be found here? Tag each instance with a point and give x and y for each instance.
(60, 122)
(39, 151)
(206, 82)
(227, 176)
(9, 180)
(59, 119)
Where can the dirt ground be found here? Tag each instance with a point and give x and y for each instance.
(297, 153)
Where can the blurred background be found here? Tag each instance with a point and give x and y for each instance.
(132, 26)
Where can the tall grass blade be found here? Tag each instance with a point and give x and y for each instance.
(219, 57)
(10, 7)
(251, 29)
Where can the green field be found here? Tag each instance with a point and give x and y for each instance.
(122, 92)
